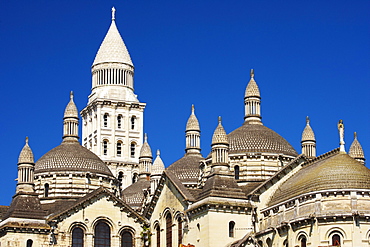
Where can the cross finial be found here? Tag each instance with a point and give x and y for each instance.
(71, 95)
(158, 152)
(145, 137)
(252, 73)
(219, 119)
(192, 109)
(307, 120)
(26, 139)
(113, 13)
(355, 135)
(341, 135)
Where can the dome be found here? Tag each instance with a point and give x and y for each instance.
(192, 123)
(158, 165)
(113, 49)
(252, 89)
(26, 155)
(339, 171)
(219, 136)
(145, 150)
(71, 109)
(356, 151)
(257, 138)
(134, 194)
(186, 169)
(71, 156)
(308, 134)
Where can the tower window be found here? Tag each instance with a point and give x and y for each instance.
(105, 147)
(77, 237)
(119, 148)
(133, 120)
(236, 171)
(119, 122)
(231, 229)
(105, 120)
(46, 190)
(132, 150)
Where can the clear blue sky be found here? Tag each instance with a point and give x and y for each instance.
(310, 58)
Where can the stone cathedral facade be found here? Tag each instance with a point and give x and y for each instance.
(253, 189)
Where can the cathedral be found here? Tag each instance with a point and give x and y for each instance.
(254, 189)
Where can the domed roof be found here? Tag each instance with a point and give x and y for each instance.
(158, 165)
(145, 150)
(26, 155)
(219, 136)
(252, 89)
(356, 151)
(134, 194)
(71, 156)
(257, 138)
(307, 134)
(71, 109)
(192, 123)
(339, 171)
(186, 169)
(113, 49)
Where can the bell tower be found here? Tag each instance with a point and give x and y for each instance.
(113, 118)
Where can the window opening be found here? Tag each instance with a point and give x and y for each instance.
(46, 190)
(133, 118)
(105, 147)
(29, 243)
(236, 171)
(126, 239)
(105, 120)
(119, 122)
(179, 233)
(158, 232)
(77, 237)
(132, 150)
(168, 231)
(335, 240)
(119, 148)
(231, 229)
(134, 178)
(102, 235)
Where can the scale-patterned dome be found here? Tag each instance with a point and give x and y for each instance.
(339, 171)
(186, 169)
(71, 156)
(256, 138)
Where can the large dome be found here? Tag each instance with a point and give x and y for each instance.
(339, 171)
(71, 156)
(257, 138)
(186, 169)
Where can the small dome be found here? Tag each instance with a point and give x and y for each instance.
(71, 156)
(307, 134)
(26, 155)
(113, 49)
(158, 165)
(339, 171)
(255, 138)
(252, 89)
(356, 151)
(186, 169)
(145, 150)
(134, 195)
(219, 136)
(71, 109)
(192, 123)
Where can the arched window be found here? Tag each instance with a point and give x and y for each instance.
(105, 120)
(236, 171)
(335, 240)
(269, 242)
(303, 241)
(168, 231)
(119, 121)
(120, 177)
(260, 244)
(29, 243)
(77, 237)
(102, 235)
(119, 148)
(46, 190)
(158, 232)
(231, 229)
(179, 231)
(105, 147)
(126, 239)
(134, 178)
(133, 120)
(132, 149)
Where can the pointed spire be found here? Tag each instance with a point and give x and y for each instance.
(192, 123)
(113, 49)
(308, 141)
(252, 102)
(219, 136)
(70, 121)
(158, 165)
(145, 148)
(26, 155)
(341, 136)
(192, 134)
(356, 151)
(308, 134)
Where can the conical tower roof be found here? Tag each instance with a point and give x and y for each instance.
(71, 109)
(307, 134)
(356, 151)
(113, 49)
(145, 150)
(252, 89)
(219, 136)
(26, 155)
(192, 123)
(158, 165)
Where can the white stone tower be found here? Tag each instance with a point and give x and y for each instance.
(113, 119)
(252, 102)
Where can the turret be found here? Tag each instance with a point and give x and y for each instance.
(356, 151)
(26, 168)
(308, 142)
(145, 160)
(192, 134)
(70, 121)
(252, 102)
(220, 148)
(157, 170)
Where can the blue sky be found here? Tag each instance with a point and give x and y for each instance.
(311, 58)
